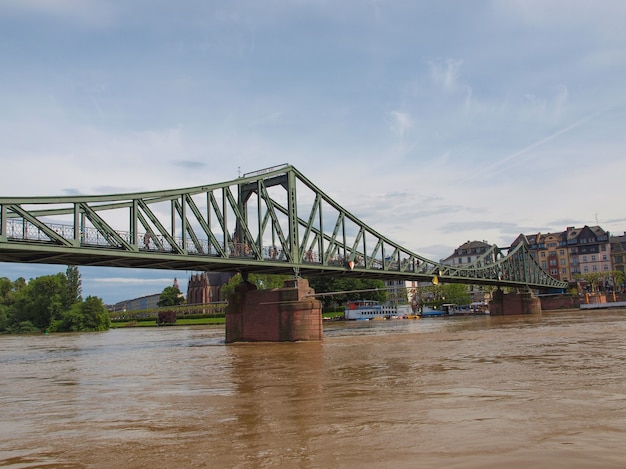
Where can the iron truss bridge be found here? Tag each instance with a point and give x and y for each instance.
(273, 221)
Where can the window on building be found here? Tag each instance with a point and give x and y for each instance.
(469, 260)
(552, 262)
(562, 261)
(584, 258)
(543, 264)
(562, 252)
(563, 271)
(593, 258)
(586, 269)
(606, 267)
(543, 254)
(604, 258)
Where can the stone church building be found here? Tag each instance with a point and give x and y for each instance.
(206, 287)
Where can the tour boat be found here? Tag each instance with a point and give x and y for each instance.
(363, 310)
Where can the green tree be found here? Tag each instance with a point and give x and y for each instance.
(39, 302)
(19, 284)
(171, 296)
(73, 287)
(345, 289)
(6, 287)
(455, 293)
(593, 279)
(8, 290)
(618, 278)
(51, 302)
(88, 315)
(4, 318)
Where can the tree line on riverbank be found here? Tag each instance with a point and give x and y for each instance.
(51, 303)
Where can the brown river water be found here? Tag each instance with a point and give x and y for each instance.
(480, 392)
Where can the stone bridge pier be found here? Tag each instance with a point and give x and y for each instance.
(285, 314)
(523, 302)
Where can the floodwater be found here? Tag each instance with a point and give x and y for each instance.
(529, 391)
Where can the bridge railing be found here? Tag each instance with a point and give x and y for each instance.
(23, 230)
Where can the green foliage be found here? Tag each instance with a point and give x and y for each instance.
(375, 288)
(23, 327)
(455, 293)
(51, 302)
(171, 296)
(4, 317)
(90, 315)
(352, 286)
(262, 281)
(6, 289)
(40, 301)
(73, 289)
(597, 281)
(618, 277)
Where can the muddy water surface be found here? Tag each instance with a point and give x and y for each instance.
(515, 392)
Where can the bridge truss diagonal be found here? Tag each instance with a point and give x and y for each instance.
(273, 221)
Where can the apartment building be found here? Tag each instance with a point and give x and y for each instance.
(467, 253)
(618, 252)
(589, 249)
(574, 251)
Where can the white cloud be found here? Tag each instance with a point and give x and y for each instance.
(400, 123)
(446, 73)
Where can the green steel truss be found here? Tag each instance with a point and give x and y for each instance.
(273, 221)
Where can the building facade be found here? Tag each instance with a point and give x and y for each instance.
(206, 287)
(618, 252)
(468, 253)
(401, 291)
(143, 302)
(589, 249)
(567, 254)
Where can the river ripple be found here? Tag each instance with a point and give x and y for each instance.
(526, 391)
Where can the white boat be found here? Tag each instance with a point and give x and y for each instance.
(362, 310)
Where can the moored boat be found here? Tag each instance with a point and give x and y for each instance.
(428, 312)
(476, 308)
(369, 309)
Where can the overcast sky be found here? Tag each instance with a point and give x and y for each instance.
(435, 122)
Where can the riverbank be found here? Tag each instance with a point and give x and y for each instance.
(196, 321)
